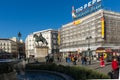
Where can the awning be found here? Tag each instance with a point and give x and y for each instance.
(103, 50)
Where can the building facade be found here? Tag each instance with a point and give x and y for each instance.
(11, 47)
(98, 29)
(8, 47)
(20, 47)
(51, 37)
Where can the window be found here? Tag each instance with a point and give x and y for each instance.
(54, 41)
(54, 47)
(54, 36)
(8, 48)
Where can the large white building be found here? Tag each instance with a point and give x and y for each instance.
(51, 37)
(99, 29)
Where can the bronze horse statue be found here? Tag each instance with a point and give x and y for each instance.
(40, 38)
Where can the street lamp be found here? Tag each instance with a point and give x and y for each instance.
(88, 38)
(19, 36)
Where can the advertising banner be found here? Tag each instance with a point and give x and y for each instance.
(86, 9)
(77, 22)
(103, 27)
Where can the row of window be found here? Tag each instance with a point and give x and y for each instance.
(4, 44)
(93, 20)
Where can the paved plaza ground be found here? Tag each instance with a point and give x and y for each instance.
(95, 65)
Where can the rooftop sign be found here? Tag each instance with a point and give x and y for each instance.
(86, 9)
(77, 22)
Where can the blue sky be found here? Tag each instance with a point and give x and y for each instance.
(28, 16)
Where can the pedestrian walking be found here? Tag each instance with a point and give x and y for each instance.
(85, 60)
(102, 63)
(47, 59)
(75, 60)
(89, 60)
(115, 68)
(68, 60)
(79, 58)
(58, 58)
(118, 58)
(82, 59)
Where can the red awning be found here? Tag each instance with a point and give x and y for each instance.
(102, 50)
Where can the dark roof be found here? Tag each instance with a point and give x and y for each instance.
(6, 39)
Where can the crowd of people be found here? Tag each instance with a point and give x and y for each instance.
(86, 60)
(74, 58)
(49, 58)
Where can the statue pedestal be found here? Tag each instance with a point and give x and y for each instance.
(41, 53)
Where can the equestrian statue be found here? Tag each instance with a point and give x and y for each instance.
(40, 38)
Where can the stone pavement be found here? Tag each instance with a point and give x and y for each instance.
(95, 65)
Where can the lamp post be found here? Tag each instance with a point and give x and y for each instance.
(19, 36)
(88, 38)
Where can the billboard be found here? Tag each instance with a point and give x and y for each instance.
(86, 9)
(77, 22)
(103, 27)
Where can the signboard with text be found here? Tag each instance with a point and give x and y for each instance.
(86, 9)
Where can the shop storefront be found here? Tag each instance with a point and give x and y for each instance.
(106, 52)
